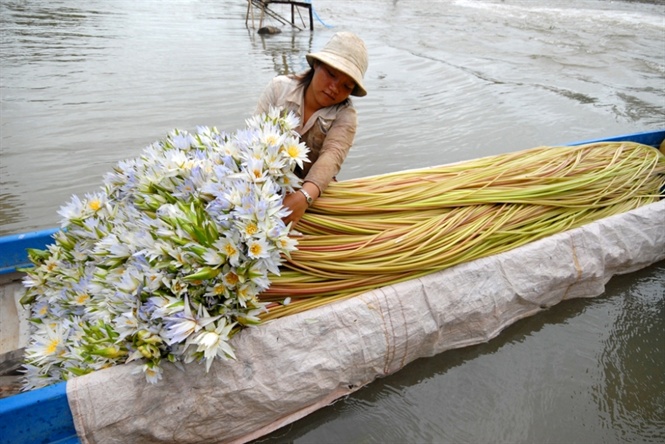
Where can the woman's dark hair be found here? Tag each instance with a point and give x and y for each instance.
(306, 78)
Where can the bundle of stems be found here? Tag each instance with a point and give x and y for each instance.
(371, 232)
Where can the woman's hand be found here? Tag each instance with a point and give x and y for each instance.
(297, 203)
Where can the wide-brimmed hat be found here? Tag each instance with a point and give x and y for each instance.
(346, 52)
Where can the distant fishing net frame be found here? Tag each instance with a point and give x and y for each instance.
(371, 232)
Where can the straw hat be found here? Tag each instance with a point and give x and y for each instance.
(346, 52)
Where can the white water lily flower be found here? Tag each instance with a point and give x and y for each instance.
(37, 377)
(177, 287)
(215, 342)
(177, 161)
(80, 252)
(230, 149)
(95, 203)
(289, 182)
(246, 293)
(247, 227)
(255, 122)
(104, 245)
(258, 274)
(231, 278)
(131, 281)
(126, 324)
(179, 328)
(183, 141)
(48, 344)
(228, 245)
(163, 307)
(214, 256)
(258, 248)
(153, 373)
(285, 242)
(72, 211)
(254, 170)
(270, 137)
(274, 114)
(295, 151)
(274, 161)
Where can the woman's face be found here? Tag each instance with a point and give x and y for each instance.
(330, 86)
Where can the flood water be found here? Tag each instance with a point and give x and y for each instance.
(86, 83)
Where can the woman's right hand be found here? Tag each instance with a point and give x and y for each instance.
(297, 203)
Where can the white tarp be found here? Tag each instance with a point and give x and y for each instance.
(292, 366)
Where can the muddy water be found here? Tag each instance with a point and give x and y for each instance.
(87, 83)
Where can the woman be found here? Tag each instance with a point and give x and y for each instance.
(328, 120)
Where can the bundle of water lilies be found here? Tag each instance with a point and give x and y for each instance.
(370, 232)
(166, 262)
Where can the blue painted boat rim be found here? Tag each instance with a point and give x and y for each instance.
(14, 246)
(41, 415)
(652, 138)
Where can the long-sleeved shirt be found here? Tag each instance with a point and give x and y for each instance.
(328, 133)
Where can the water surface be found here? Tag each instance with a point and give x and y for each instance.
(86, 83)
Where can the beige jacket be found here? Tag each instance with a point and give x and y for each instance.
(329, 133)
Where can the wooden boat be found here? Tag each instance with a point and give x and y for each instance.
(44, 415)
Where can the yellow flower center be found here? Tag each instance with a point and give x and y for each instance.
(178, 286)
(271, 140)
(243, 294)
(251, 229)
(229, 250)
(292, 150)
(95, 204)
(232, 278)
(52, 346)
(255, 249)
(81, 298)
